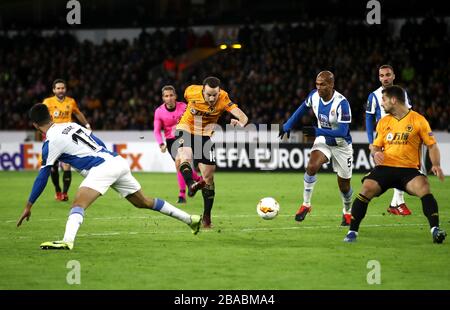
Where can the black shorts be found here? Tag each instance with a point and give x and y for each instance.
(172, 151)
(203, 150)
(392, 177)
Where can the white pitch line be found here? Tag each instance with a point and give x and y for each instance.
(185, 231)
(121, 218)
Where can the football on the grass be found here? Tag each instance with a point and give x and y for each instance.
(268, 208)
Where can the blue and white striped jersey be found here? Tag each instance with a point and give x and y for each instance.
(330, 114)
(74, 145)
(374, 103)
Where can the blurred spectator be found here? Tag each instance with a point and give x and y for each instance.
(268, 77)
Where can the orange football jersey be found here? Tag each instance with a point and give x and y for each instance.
(61, 112)
(200, 118)
(402, 139)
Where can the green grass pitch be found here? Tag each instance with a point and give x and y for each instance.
(121, 247)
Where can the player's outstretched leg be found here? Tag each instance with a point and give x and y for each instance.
(208, 193)
(140, 201)
(308, 186)
(187, 172)
(182, 187)
(74, 222)
(85, 196)
(431, 211)
(359, 209)
(166, 208)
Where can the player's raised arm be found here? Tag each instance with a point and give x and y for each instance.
(242, 118)
(80, 116)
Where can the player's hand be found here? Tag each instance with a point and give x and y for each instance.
(25, 215)
(371, 147)
(282, 133)
(234, 122)
(309, 131)
(163, 147)
(378, 158)
(438, 172)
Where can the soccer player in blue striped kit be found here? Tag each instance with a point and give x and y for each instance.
(333, 141)
(77, 146)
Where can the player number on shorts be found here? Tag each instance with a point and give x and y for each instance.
(349, 162)
(76, 137)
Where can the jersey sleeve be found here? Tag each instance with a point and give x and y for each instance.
(39, 183)
(425, 133)
(408, 101)
(344, 113)
(187, 93)
(379, 136)
(50, 153)
(75, 108)
(371, 104)
(308, 100)
(47, 102)
(226, 101)
(157, 127)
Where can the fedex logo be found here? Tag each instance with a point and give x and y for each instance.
(121, 149)
(25, 159)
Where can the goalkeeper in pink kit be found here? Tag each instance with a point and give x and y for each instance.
(166, 118)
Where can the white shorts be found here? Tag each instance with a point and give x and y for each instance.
(341, 156)
(114, 172)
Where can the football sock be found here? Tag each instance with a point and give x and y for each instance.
(397, 198)
(430, 209)
(74, 221)
(182, 193)
(359, 209)
(195, 176)
(54, 172)
(181, 184)
(166, 208)
(347, 201)
(308, 187)
(208, 198)
(186, 172)
(67, 178)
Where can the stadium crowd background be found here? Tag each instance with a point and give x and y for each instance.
(276, 68)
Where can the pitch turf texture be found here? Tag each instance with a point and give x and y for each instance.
(121, 247)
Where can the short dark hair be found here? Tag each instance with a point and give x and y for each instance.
(58, 81)
(168, 87)
(211, 81)
(395, 91)
(39, 114)
(386, 67)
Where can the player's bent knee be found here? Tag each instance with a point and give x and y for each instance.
(312, 169)
(209, 179)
